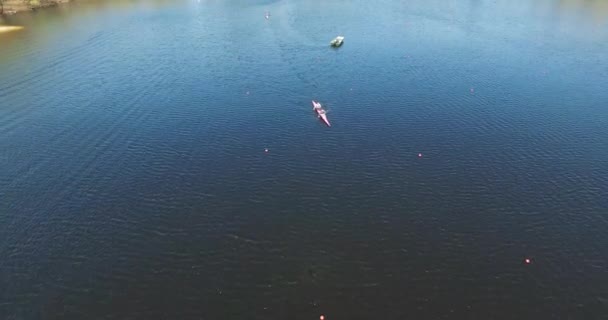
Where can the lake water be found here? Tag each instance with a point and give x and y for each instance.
(134, 182)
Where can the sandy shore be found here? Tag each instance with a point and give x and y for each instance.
(9, 28)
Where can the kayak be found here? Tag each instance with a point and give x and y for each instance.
(322, 114)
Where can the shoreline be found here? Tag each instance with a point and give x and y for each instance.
(10, 7)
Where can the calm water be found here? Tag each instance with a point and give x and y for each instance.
(134, 182)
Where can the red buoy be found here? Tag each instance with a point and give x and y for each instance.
(322, 317)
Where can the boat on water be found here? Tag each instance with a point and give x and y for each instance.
(10, 28)
(321, 113)
(337, 41)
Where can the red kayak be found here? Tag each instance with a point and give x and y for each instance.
(322, 114)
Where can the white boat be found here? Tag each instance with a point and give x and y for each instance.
(322, 114)
(337, 41)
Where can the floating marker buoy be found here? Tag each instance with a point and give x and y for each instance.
(266, 150)
(527, 261)
(420, 155)
(472, 90)
(321, 317)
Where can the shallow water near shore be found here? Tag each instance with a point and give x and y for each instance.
(467, 136)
